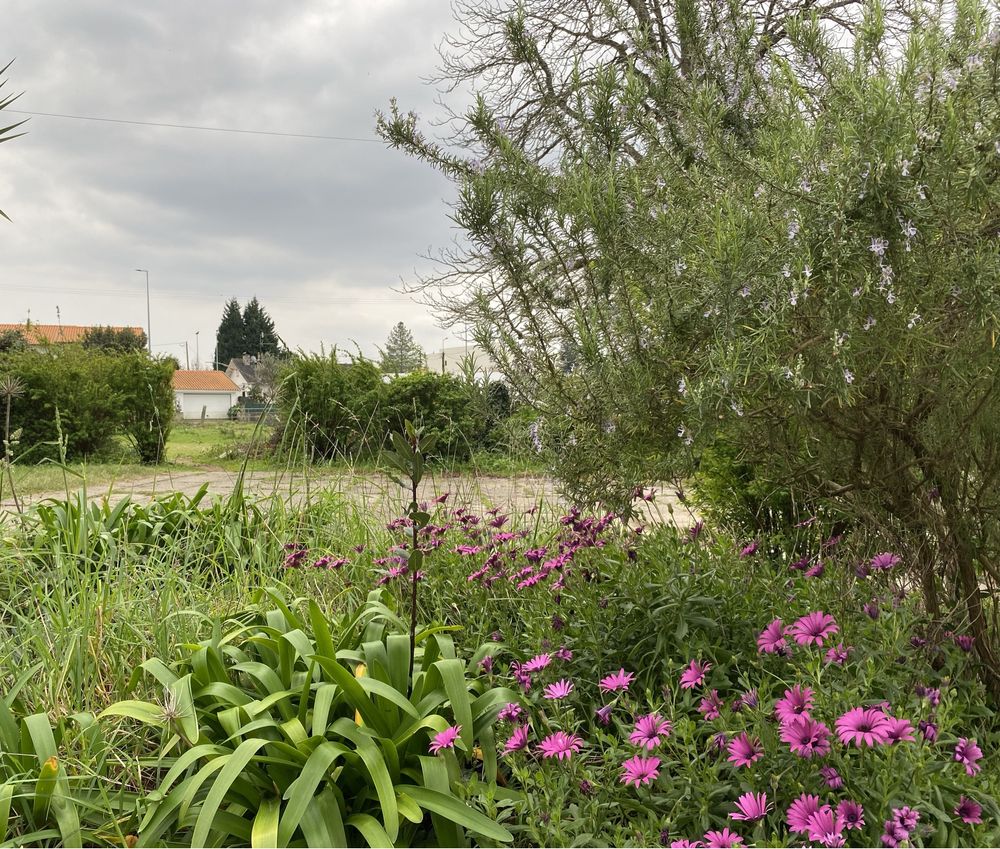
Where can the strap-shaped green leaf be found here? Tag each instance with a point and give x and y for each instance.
(355, 695)
(371, 830)
(6, 793)
(323, 824)
(145, 712)
(231, 770)
(459, 813)
(452, 673)
(377, 770)
(265, 825)
(300, 792)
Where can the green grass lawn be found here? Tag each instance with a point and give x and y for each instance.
(215, 443)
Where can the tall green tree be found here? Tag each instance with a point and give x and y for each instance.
(121, 339)
(230, 340)
(769, 229)
(258, 330)
(401, 353)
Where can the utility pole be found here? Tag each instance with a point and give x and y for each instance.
(197, 350)
(187, 356)
(149, 327)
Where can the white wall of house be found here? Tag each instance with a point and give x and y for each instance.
(190, 403)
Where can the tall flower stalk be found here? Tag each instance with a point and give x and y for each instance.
(407, 458)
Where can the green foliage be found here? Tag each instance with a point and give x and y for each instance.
(346, 410)
(258, 330)
(116, 339)
(297, 731)
(401, 353)
(12, 340)
(75, 400)
(230, 339)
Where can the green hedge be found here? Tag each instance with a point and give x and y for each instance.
(86, 398)
(346, 410)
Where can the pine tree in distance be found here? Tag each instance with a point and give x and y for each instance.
(258, 328)
(401, 353)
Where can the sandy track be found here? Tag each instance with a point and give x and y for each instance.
(370, 490)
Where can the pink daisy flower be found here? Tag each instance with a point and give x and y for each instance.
(772, 639)
(899, 730)
(445, 739)
(648, 731)
(620, 680)
(752, 807)
(694, 675)
(884, 561)
(968, 753)
(806, 737)
(686, 844)
(796, 702)
(560, 745)
(750, 549)
(743, 751)
(831, 777)
(863, 726)
(853, 814)
(722, 839)
(968, 811)
(517, 741)
(711, 706)
(537, 663)
(558, 690)
(838, 654)
(639, 770)
(510, 711)
(826, 827)
(799, 811)
(813, 628)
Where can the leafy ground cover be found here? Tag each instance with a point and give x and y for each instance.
(180, 673)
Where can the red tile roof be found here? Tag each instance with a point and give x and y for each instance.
(203, 381)
(37, 334)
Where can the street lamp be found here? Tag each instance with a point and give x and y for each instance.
(149, 336)
(197, 350)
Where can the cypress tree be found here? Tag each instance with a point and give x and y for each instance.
(230, 339)
(258, 330)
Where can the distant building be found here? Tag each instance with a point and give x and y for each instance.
(211, 391)
(452, 361)
(38, 335)
(243, 372)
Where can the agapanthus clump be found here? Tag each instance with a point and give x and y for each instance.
(639, 770)
(743, 751)
(863, 726)
(694, 675)
(648, 731)
(751, 807)
(813, 628)
(560, 745)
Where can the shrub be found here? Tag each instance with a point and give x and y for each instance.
(285, 731)
(146, 402)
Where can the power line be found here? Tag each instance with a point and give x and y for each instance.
(195, 127)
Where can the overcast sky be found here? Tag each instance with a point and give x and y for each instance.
(321, 231)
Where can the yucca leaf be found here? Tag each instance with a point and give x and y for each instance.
(459, 813)
(265, 825)
(372, 831)
(379, 774)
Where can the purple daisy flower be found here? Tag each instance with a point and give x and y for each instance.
(445, 739)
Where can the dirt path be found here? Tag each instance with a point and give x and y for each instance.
(369, 490)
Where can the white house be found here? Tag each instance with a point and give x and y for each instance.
(453, 360)
(212, 391)
(243, 372)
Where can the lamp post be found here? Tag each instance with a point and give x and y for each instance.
(197, 350)
(149, 328)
